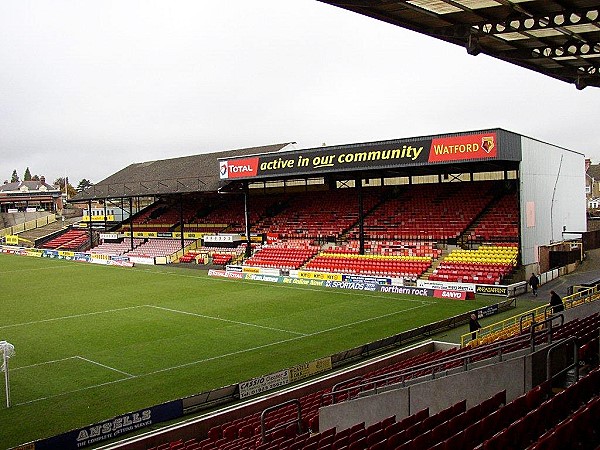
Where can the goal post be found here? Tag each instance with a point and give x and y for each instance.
(6, 351)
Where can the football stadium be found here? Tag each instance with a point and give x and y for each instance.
(369, 296)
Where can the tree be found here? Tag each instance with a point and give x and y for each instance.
(35, 178)
(70, 190)
(27, 175)
(84, 184)
(14, 177)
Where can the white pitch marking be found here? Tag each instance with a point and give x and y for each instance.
(60, 266)
(105, 366)
(74, 316)
(43, 363)
(226, 320)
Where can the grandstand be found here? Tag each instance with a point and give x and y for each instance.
(462, 210)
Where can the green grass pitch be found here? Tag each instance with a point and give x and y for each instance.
(93, 342)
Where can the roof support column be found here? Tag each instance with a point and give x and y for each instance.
(361, 228)
(131, 222)
(247, 220)
(181, 220)
(105, 200)
(90, 223)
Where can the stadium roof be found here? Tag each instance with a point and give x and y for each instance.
(558, 38)
(187, 174)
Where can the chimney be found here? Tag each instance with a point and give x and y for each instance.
(588, 163)
(42, 179)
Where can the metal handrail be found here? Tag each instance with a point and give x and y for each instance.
(523, 317)
(550, 322)
(298, 420)
(570, 301)
(404, 373)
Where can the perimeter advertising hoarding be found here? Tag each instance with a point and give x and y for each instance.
(112, 428)
(377, 155)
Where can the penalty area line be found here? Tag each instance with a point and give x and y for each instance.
(105, 366)
(236, 322)
(74, 316)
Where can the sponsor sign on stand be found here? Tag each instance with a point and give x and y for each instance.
(11, 239)
(303, 281)
(142, 260)
(126, 423)
(407, 290)
(355, 285)
(306, 370)
(222, 238)
(34, 252)
(371, 155)
(261, 277)
(468, 287)
(366, 279)
(319, 275)
(121, 262)
(487, 311)
(109, 236)
(264, 383)
(491, 289)
(225, 274)
(455, 295)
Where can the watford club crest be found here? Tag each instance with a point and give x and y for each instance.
(487, 143)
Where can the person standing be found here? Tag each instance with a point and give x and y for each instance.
(534, 282)
(556, 302)
(474, 326)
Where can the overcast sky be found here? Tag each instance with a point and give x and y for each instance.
(89, 87)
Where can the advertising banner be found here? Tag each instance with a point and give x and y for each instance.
(368, 279)
(303, 281)
(487, 311)
(319, 275)
(263, 277)
(467, 287)
(10, 239)
(491, 289)
(375, 155)
(455, 295)
(355, 285)
(112, 428)
(264, 383)
(306, 370)
(225, 274)
(222, 238)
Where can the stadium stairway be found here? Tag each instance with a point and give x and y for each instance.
(435, 263)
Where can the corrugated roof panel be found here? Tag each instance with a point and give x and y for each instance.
(435, 6)
(478, 4)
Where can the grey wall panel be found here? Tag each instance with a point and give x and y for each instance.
(552, 195)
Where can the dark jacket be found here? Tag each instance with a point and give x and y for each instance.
(556, 303)
(534, 281)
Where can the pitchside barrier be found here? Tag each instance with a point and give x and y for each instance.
(67, 255)
(121, 425)
(395, 285)
(516, 324)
